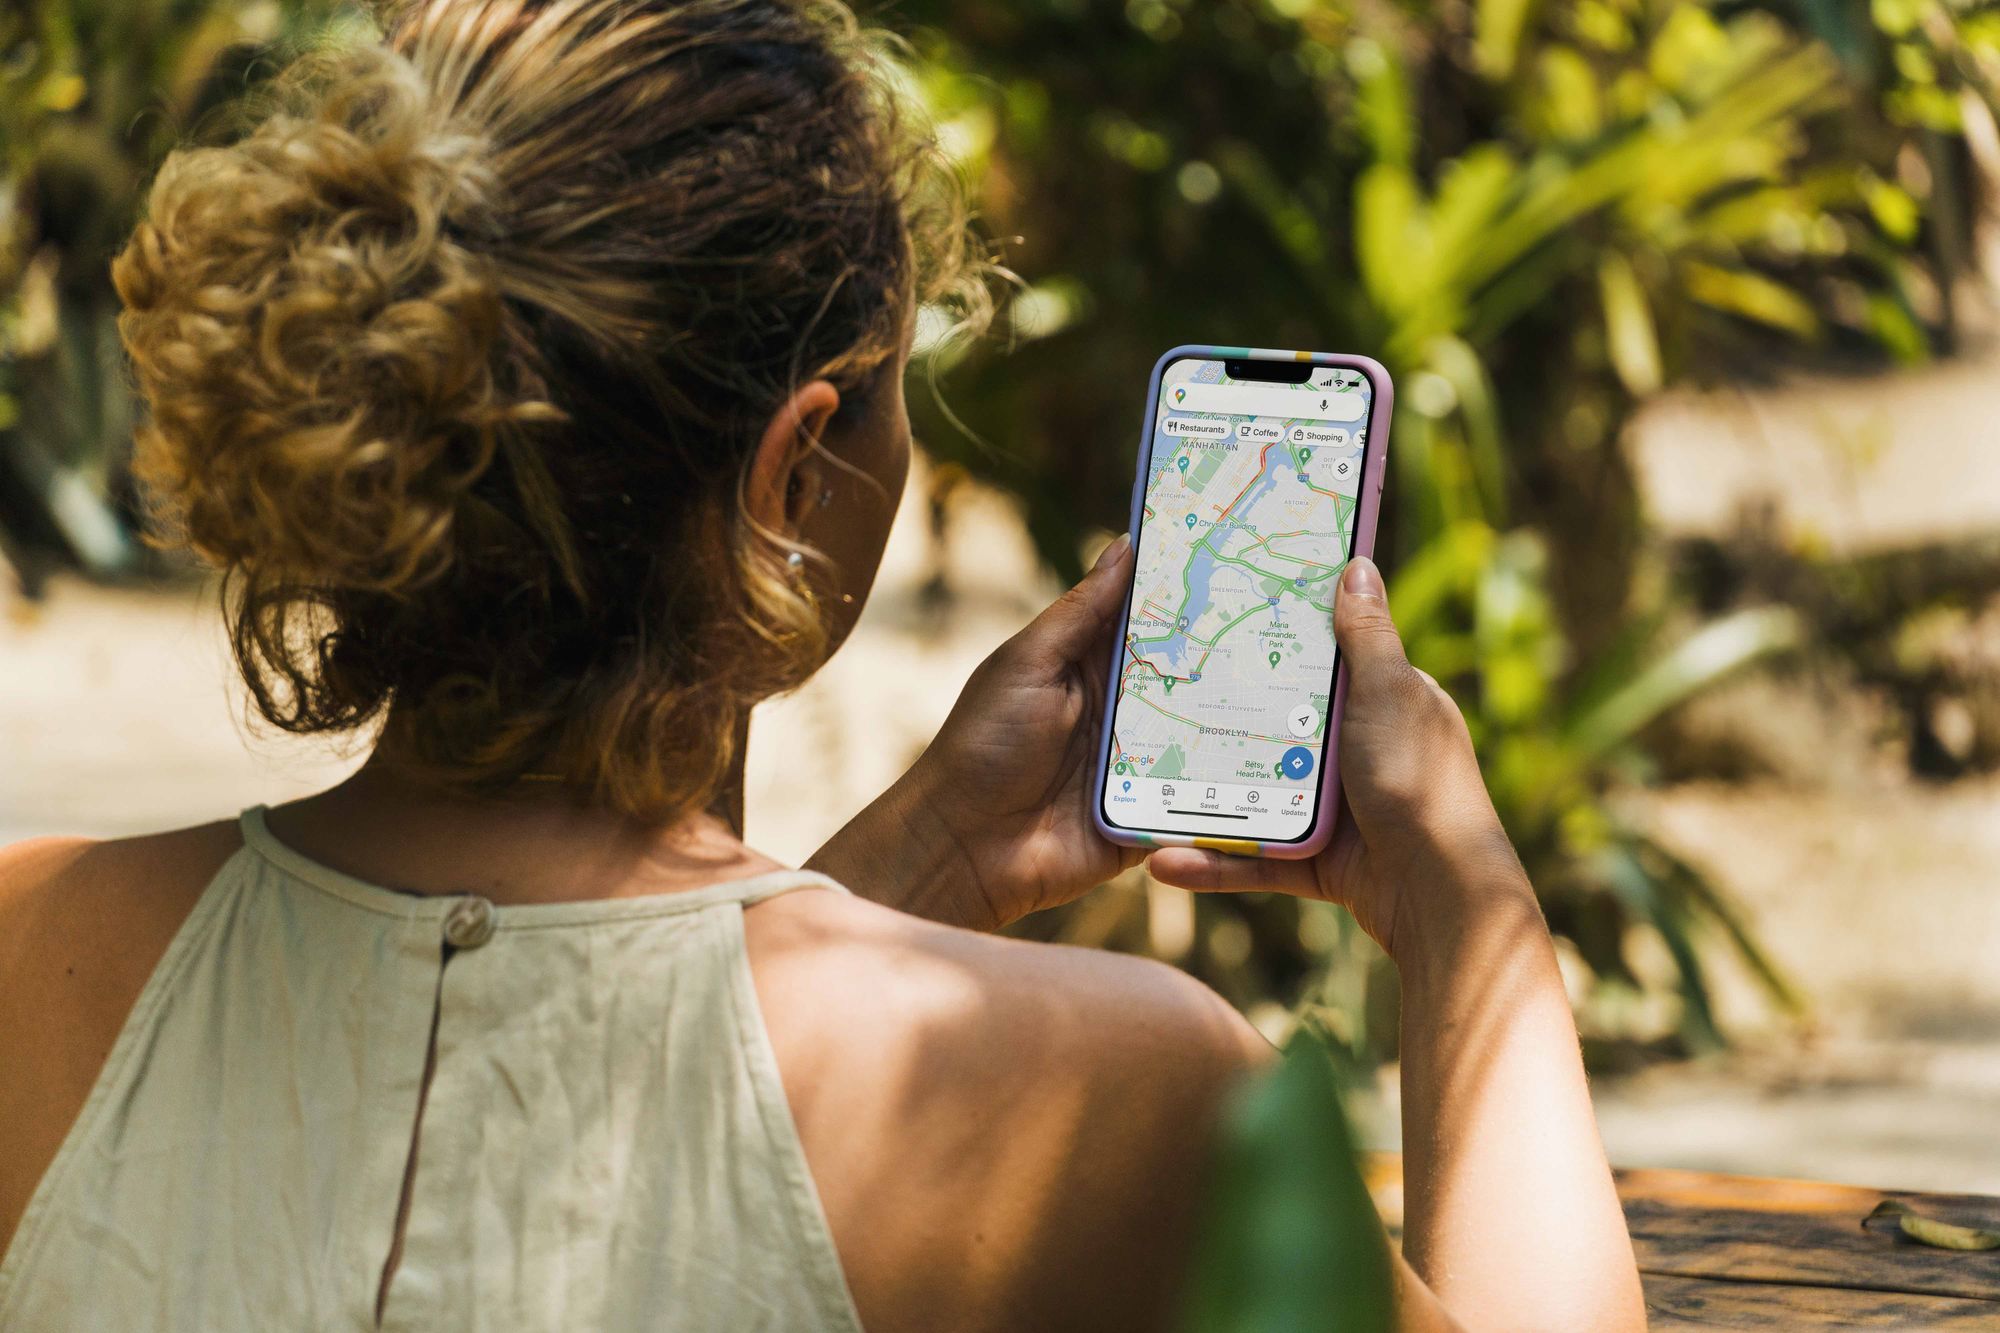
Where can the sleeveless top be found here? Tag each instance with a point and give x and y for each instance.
(603, 1142)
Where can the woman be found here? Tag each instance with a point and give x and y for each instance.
(534, 377)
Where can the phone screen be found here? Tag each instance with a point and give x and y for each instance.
(1252, 488)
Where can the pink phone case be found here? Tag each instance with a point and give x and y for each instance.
(1374, 470)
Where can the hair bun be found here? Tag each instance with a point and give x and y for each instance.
(315, 338)
(459, 356)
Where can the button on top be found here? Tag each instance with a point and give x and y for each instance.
(469, 924)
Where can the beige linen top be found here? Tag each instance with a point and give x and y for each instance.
(604, 1144)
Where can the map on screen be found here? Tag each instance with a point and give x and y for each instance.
(1251, 494)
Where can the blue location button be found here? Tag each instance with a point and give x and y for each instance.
(1297, 762)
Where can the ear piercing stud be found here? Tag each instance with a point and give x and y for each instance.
(826, 497)
(796, 560)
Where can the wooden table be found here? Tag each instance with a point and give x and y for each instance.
(1734, 1252)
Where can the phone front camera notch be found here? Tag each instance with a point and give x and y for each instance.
(1269, 372)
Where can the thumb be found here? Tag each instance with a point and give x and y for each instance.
(1363, 626)
(1075, 622)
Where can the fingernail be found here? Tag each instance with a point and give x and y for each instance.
(1113, 551)
(1362, 579)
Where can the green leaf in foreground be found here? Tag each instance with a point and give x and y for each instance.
(1290, 1239)
(1930, 1231)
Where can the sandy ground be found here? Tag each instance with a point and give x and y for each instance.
(116, 715)
(1851, 465)
(1884, 903)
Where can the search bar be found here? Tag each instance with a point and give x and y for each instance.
(1256, 400)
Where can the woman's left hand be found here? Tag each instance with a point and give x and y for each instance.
(993, 821)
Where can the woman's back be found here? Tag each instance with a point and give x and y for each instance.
(603, 1140)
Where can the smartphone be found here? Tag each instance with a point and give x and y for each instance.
(1260, 476)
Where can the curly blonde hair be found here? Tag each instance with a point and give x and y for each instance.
(457, 354)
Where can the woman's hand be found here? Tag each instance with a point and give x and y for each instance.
(993, 821)
(1418, 845)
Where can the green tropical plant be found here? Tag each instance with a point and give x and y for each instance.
(1930, 72)
(1537, 216)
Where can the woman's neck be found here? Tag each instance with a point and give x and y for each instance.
(536, 843)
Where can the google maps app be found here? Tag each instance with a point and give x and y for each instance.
(1251, 493)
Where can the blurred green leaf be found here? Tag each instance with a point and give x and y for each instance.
(1392, 236)
(1290, 1240)
(1382, 100)
(1496, 44)
(1477, 409)
(1752, 296)
(1570, 105)
(1716, 650)
(1686, 46)
(1896, 328)
(1628, 325)
(1705, 896)
(1656, 901)
(1894, 211)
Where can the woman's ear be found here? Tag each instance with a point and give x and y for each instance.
(785, 475)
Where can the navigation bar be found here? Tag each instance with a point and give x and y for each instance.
(1224, 803)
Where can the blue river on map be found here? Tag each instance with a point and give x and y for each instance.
(1175, 653)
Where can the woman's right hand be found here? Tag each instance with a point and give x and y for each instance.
(1418, 845)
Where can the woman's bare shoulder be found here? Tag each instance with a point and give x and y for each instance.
(1002, 1131)
(83, 923)
(59, 888)
(843, 959)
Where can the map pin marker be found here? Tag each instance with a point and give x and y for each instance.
(1274, 658)
(1190, 522)
(1184, 462)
